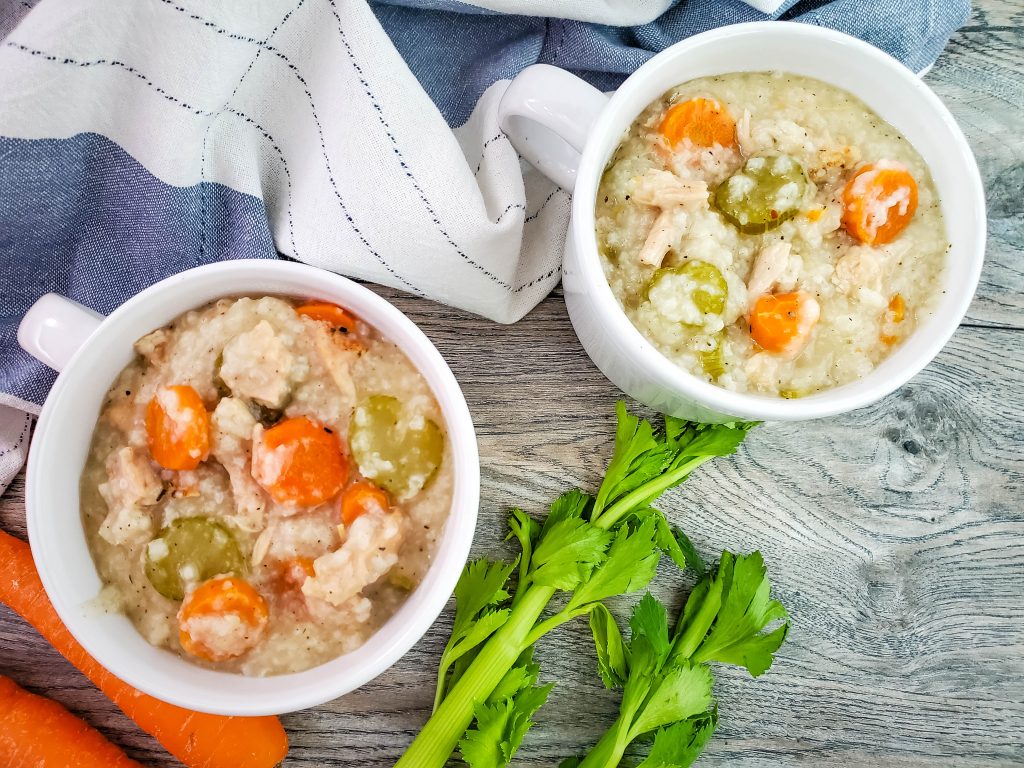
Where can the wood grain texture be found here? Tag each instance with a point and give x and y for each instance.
(895, 535)
(981, 77)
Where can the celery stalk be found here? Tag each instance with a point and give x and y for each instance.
(590, 547)
(439, 737)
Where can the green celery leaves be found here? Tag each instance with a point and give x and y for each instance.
(666, 681)
(481, 587)
(587, 550)
(738, 635)
(612, 653)
(678, 745)
(503, 720)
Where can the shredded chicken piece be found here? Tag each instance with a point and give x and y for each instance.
(339, 353)
(305, 535)
(358, 610)
(369, 551)
(675, 196)
(665, 232)
(831, 161)
(257, 365)
(153, 346)
(121, 414)
(132, 483)
(231, 432)
(859, 267)
(768, 268)
(778, 135)
(664, 189)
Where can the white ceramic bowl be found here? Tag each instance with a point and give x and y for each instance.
(90, 351)
(568, 130)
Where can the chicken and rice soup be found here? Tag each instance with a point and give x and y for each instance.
(267, 482)
(770, 233)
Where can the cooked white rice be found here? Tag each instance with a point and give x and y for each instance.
(831, 134)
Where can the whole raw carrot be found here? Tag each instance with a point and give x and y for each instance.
(36, 732)
(198, 740)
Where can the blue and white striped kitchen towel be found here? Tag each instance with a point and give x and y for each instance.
(139, 138)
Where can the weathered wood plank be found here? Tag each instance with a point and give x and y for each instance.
(981, 78)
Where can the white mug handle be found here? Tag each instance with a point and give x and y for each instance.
(54, 328)
(547, 114)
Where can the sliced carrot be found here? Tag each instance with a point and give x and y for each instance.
(36, 732)
(223, 595)
(198, 740)
(705, 122)
(897, 308)
(331, 314)
(782, 323)
(879, 202)
(300, 461)
(893, 316)
(360, 498)
(221, 598)
(178, 428)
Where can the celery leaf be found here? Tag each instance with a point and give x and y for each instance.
(480, 588)
(567, 553)
(649, 644)
(678, 745)
(680, 691)
(738, 635)
(612, 653)
(629, 565)
(503, 720)
(672, 541)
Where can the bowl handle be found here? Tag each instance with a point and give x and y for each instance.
(547, 114)
(54, 328)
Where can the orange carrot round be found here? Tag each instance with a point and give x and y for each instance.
(705, 122)
(300, 461)
(879, 202)
(360, 498)
(217, 600)
(198, 740)
(331, 314)
(178, 428)
(36, 732)
(782, 323)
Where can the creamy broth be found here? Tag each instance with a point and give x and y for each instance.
(733, 201)
(278, 388)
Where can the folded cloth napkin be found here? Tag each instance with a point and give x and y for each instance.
(139, 138)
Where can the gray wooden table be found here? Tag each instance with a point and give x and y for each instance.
(895, 534)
